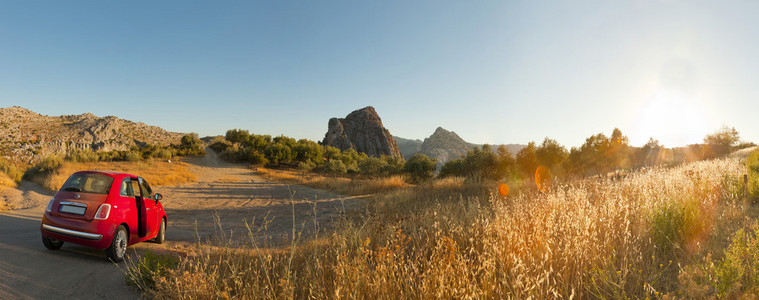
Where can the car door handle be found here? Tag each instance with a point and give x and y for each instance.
(147, 208)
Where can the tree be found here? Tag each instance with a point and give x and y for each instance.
(452, 168)
(392, 165)
(278, 153)
(593, 154)
(259, 142)
(237, 136)
(619, 150)
(575, 164)
(371, 166)
(481, 163)
(505, 165)
(335, 167)
(288, 141)
(420, 168)
(551, 155)
(305, 150)
(191, 144)
(527, 160)
(331, 153)
(721, 142)
(650, 154)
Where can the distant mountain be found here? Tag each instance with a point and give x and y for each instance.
(444, 146)
(408, 147)
(27, 136)
(361, 130)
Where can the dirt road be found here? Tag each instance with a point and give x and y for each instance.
(231, 192)
(235, 194)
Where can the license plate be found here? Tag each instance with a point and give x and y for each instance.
(77, 210)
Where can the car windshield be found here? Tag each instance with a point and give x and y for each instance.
(88, 183)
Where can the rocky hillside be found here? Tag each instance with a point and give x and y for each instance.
(26, 136)
(408, 147)
(444, 146)
(363, 131)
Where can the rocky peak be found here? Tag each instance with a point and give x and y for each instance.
(363, 131)
(444, 146)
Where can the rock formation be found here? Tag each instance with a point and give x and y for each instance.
(444, 146)
(27, 136)
(408, 147)
(361, 130)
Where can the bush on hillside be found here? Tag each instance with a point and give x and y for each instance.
(44, 167)
(11, 170)
(191, 145)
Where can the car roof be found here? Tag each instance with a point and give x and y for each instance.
(113, 174)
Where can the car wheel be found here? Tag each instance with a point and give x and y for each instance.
(161, 237)
(117, 250)
(51, 243)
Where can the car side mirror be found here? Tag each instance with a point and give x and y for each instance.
(158, 197)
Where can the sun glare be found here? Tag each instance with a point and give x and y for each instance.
(672, 118)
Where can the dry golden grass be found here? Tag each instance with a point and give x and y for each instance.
(157, 173)
(6, 182)
(339, 185)
(452, 239)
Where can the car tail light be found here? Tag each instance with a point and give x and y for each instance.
(103, 212)
(49, 205)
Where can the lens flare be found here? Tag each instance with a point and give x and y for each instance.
(503, 189)
(543, 178)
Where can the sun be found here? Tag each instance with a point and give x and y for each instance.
(672, 118)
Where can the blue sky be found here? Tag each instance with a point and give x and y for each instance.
(494, 72)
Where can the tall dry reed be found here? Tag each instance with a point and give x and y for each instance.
(453, 239)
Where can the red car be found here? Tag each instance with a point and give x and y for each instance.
(104, 210)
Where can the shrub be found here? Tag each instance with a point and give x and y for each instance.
(372, 166)
(392, 165)
(192, 145)
(132, 156)
(219, 146)
(255, 157)
(142, 274)
(453, 168)
(278, 153)
(45, 167)
(163, 154)
(84, 155)
(420, 168)
(306, 150)
(335, 167)
(306, 166)
(674, 223)
(752, 164)
(237, 136)
(11, 170)
(738, 272)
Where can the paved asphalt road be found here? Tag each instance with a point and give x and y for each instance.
(29, 271)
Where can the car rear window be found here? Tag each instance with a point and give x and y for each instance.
(88, 183)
